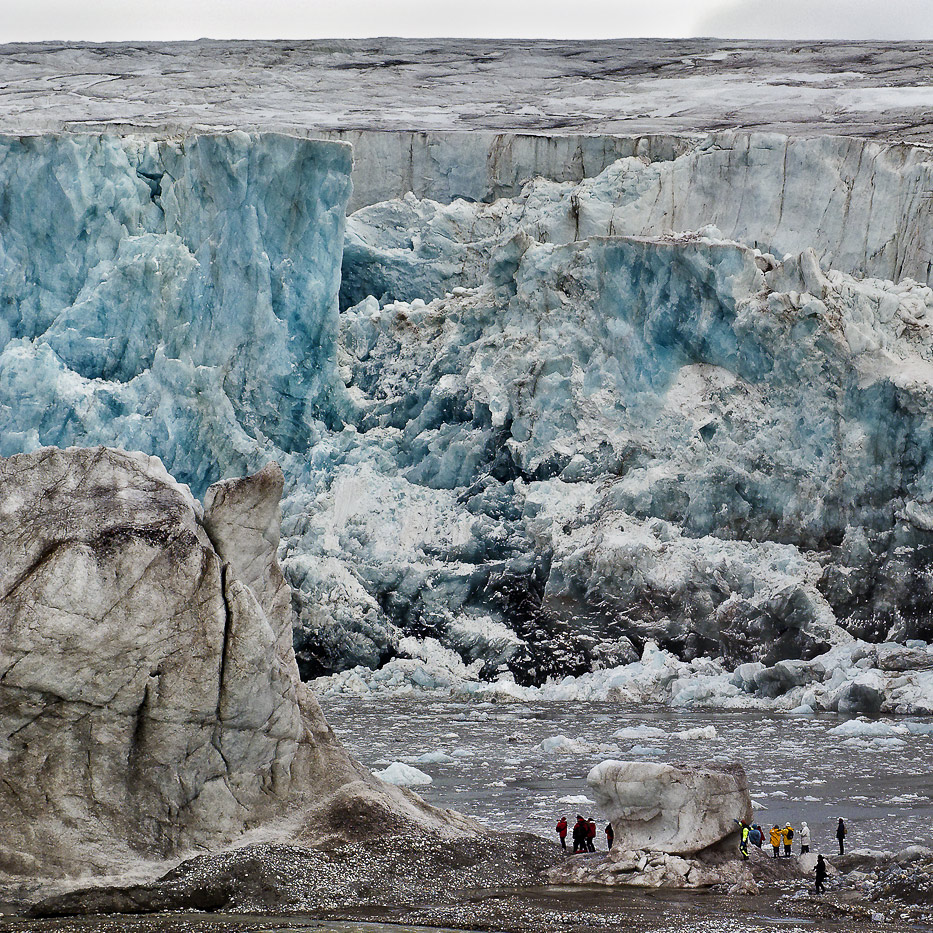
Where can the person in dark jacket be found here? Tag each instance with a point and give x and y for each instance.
(562, 831)
(579, 835)
(820, 874)
(756, 836)
(841, 836)
(610, 835)
(591, 835)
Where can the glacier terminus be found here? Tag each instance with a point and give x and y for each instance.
(557, 418)
(536, 435)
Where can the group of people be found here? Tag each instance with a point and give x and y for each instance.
(779, 838)
(583, 834)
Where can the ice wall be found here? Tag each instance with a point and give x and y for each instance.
(863, 206)
(546, 431)
(482, 165)
(173, 296)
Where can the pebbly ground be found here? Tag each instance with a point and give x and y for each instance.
(473, 885)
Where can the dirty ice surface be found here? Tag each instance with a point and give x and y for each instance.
(520, 766)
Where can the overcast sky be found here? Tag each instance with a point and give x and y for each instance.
(115, 20)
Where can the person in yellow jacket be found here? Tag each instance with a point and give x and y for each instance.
(776, 836)
(787, 834)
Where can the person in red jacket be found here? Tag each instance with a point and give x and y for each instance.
(562, 831)
(591, 835)
(610, 835)
(579, 835)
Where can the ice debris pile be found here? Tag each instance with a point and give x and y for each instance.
(665, 429)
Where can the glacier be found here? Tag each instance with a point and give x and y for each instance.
(671, 416)
(153, 296)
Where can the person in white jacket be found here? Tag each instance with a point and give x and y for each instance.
(804, 838)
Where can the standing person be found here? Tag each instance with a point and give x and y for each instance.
(743, 842)
(591, 835)
(787, 834)
(841, 836)
(562, 831)
(755, 836)
(610, 835)
(820, 874)
(776, 840)
(579, 835)
(804, 838)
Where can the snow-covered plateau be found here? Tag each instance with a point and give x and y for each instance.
(644, 418)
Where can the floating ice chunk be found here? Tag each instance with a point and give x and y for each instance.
(862, 728)
(404, 775)
(919, 728)
(575, 798)
(700, 732)
(562, 745)
(642, 750)
(433, 758)
(639, 732)
(803, 710)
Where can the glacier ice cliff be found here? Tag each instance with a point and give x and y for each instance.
(170, 296)
(682, 405)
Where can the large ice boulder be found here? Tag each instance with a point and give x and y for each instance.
(677, 809)
(149, 697)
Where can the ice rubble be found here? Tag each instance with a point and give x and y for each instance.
(586, 455)
(827, 683)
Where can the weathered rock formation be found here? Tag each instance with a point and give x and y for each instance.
(149, 696)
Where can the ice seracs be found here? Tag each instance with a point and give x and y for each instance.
(631, 415)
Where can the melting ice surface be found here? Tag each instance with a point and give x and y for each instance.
(521, 766)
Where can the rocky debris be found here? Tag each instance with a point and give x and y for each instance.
(909, 879)
(149, 696)
(716, 867)
(279, 878)
(672, 809)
